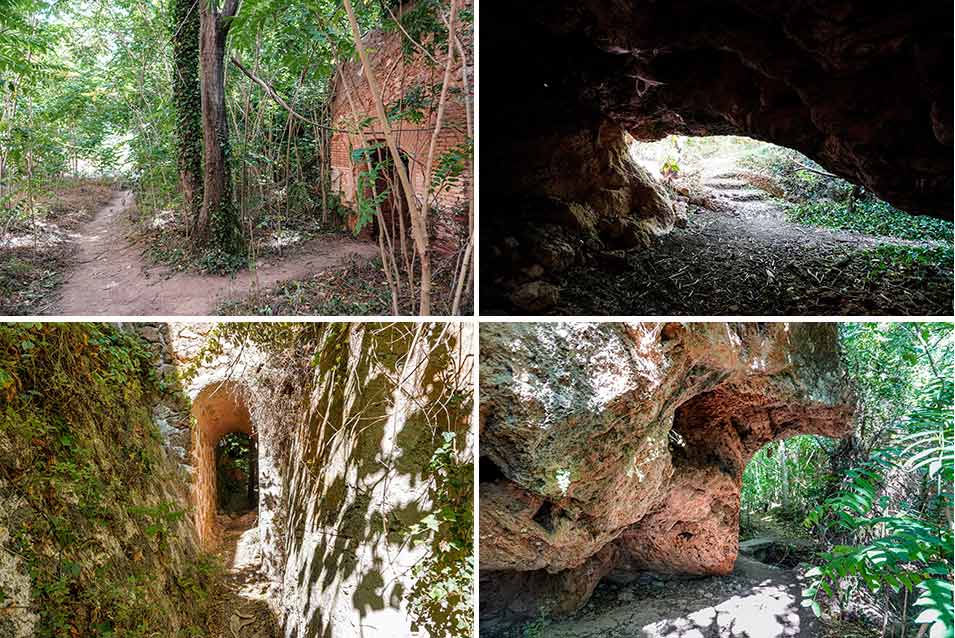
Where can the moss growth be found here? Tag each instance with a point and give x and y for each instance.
(99, 522)
(186, 94)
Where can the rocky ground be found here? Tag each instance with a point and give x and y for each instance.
(757, 600)
(243, 609)
(739, 255)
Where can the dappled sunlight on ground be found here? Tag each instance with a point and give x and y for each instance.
(767, 611)
(755, 601)
(286, 238)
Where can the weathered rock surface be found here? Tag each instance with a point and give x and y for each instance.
(862, 88)
(624, 444)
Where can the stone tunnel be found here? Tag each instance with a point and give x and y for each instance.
(623, 446)
(218, 409)
(864, 89)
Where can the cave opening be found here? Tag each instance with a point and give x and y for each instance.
(757, 228)
(576, 230)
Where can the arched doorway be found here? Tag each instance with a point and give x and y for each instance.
(394, 208)
(225, 456)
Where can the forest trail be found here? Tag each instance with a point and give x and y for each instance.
(110, 276)
(243, 609)
(738, 254)
(755, 600)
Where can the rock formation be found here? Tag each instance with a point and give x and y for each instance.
(623, 445)
(864, 89)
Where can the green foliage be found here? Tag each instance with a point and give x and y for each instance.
(81, 461)
(160, 521)
(372, 190)
(535, 628)
(422, 23)
(670, 167)
(872, 217)
(905, 544)
(441, 599)
(451, 165)
(890, 259)
(186, 94)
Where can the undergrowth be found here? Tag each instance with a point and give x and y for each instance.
(90, 497)
(872, 217)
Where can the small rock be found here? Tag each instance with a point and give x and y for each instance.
(150, 333)
(535, 296)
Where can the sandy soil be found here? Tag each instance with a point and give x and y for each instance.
(110, 276)
(756, 601)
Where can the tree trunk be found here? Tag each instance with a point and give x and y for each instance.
(783, 476)
(187, 99)
(217, 226)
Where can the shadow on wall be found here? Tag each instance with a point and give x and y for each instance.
(358, 475)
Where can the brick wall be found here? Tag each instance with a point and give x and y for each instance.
(399, 76)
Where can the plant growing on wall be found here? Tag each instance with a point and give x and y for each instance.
(441, 599)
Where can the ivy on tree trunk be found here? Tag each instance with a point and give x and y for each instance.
(187, 100)
(217, 228)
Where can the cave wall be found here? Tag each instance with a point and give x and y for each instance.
(863, 88)
(623, 445)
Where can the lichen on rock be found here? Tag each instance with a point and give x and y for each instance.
(625, 444)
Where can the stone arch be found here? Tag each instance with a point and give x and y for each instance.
(218, 409)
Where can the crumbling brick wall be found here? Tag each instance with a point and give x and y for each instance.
(403, 75)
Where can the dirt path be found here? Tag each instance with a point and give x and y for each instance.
(755, 601)
(110, 276)
(243, 609)
(740, 256)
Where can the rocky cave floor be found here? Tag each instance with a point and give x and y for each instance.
(241, 608)
(743, 257)
(756, 600)
(760, 599)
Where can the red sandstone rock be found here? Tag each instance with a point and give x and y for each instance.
(633, 436)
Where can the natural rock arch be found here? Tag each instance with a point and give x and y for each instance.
(623, 446)
(218, 410)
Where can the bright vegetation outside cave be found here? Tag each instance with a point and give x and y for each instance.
(716, 480)
(628, 168)
(196, 157)
(264, 480)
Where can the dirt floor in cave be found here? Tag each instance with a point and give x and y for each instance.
(739, 255)
(241, 608)
(110, 276)
(756, 600)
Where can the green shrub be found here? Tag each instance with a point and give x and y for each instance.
(872, 217)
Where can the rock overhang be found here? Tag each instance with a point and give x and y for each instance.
(652, 480)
